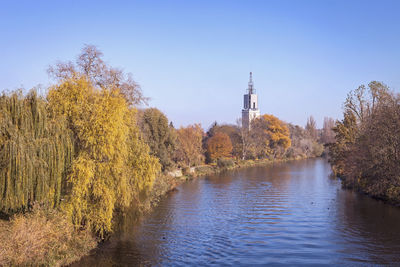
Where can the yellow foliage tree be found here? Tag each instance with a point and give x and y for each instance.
(112, 163)
(219, 146)
(270, 136)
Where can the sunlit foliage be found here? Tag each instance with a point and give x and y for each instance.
(81, 145)
(190, 151)
(269, 136)
(112, 166)
(219, 146)
(101, 176)
(234, 133)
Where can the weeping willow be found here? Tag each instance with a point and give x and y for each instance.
(36, 151)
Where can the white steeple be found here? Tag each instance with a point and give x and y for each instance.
(250, 109)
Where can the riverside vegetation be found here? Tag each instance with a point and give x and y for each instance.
(366, 150)
(74, 160)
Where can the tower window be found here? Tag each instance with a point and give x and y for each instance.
(254, 105)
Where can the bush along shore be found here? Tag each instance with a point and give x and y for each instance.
(76, 160)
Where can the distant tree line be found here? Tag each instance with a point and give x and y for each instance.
(267, 138)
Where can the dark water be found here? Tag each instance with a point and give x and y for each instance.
(290, 213)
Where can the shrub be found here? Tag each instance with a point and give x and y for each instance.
(162, 184)
(204, 170)
(42, 237)
(186, 171)
(225, 163)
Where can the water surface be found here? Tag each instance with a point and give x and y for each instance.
(289, 213)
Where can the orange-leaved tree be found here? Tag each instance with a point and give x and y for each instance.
(234, 133)
(219, 146)
(189, 151)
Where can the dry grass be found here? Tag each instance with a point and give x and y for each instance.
(42, 237)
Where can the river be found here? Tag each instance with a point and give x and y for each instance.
(288, 213)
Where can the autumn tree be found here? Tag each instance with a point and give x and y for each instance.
(189, 145)
(90, 64)
(246, 144)
(219, 146)
(376, 153)
(366, 149)
(346, 132)
(160, 137)
(360, 104)
(270, 136)
(112, 166)
(363, 101)
(328, 135)
(311, 128)
(302, 144)
(233, 131)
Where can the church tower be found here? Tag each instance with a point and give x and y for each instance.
(250, 109)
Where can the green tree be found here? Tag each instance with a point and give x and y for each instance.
(36, 150)
(160, 137)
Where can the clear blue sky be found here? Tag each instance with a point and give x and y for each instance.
(193, 57)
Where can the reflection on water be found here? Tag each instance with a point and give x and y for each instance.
(289, 213)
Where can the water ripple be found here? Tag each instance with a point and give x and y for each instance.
(290, 213)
